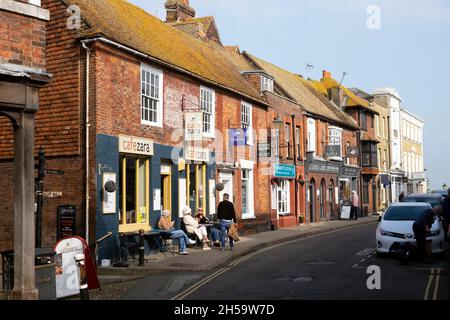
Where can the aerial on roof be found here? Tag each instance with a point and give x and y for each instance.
(298, 90)
(132, 26)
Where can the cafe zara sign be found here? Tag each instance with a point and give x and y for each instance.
(135, 145)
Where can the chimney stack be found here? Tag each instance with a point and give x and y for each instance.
(178, 10)
(326, 74)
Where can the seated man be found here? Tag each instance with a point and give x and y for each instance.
(166, 225)
(193, 227)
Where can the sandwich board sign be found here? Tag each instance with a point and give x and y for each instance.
(67, 273)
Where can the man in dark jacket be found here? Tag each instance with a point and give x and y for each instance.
(422, 227)
(227, 217)
(446, 213)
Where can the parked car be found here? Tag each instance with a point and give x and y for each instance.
(434, 199)
(396, 227)
(443, 193)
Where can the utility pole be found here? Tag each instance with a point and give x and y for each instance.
(40, 196)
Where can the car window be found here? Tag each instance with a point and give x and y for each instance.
(432, 201)
(404, 213)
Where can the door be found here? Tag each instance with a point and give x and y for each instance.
(227, 180)
(322, 199)
(312, 201)
(166, 187)
(331, 198)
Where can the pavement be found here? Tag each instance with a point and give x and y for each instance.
(199, 260)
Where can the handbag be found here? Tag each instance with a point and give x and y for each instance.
(233, 233)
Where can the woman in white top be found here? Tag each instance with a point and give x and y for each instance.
(193, 227)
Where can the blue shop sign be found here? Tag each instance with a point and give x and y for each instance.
(284, 171)
(238, 137)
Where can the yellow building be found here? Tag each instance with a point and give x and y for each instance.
(382, 134)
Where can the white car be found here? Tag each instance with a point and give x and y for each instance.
(396, 226)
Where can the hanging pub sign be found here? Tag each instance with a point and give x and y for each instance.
(193, 126)
(197, 154)
(333, 151)
(352, 152)
(135, 145)
(264, 149)
(66, 221)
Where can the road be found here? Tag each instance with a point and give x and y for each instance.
(332, 266)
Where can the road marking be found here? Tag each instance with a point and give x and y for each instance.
(197, 286)
(221, 271)
(430, 282)
(436, 287)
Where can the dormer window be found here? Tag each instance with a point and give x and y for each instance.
(266, 84)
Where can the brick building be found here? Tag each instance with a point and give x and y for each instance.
(356, 106)
(319, 124)
(116, 110)
(22, 73)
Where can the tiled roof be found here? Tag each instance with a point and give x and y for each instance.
(132, 26)
(353, 99)
(298, 89)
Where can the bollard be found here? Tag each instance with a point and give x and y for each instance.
(141, 249)
(84, 292)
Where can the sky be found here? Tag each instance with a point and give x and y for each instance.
(379, 43)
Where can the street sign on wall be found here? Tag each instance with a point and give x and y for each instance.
(264, 149)
(284, 171)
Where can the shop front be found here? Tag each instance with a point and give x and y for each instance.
(137, 179)
(322, 195)
(283, 193)
(349, 177)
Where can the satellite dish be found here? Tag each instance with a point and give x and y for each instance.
(220, 187)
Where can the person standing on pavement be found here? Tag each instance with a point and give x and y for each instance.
(355, 205)
(421, 228)
(166, 225)
(227, 217)
(401, 197)
(446, 214)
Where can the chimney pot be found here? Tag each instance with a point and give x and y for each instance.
(326, 74)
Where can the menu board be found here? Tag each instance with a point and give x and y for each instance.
(66, 221)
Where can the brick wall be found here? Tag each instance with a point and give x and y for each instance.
(22, 40)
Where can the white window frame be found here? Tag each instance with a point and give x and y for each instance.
(311, 135)
(266, 84)
(249, 166)
(285, 191)
(247, 120)
(212, 132)
(160, 99)
(332, 135)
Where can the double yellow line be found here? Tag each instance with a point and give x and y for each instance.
(191, 290)
(435, 276)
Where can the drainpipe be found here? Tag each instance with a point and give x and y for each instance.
(88, 125)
